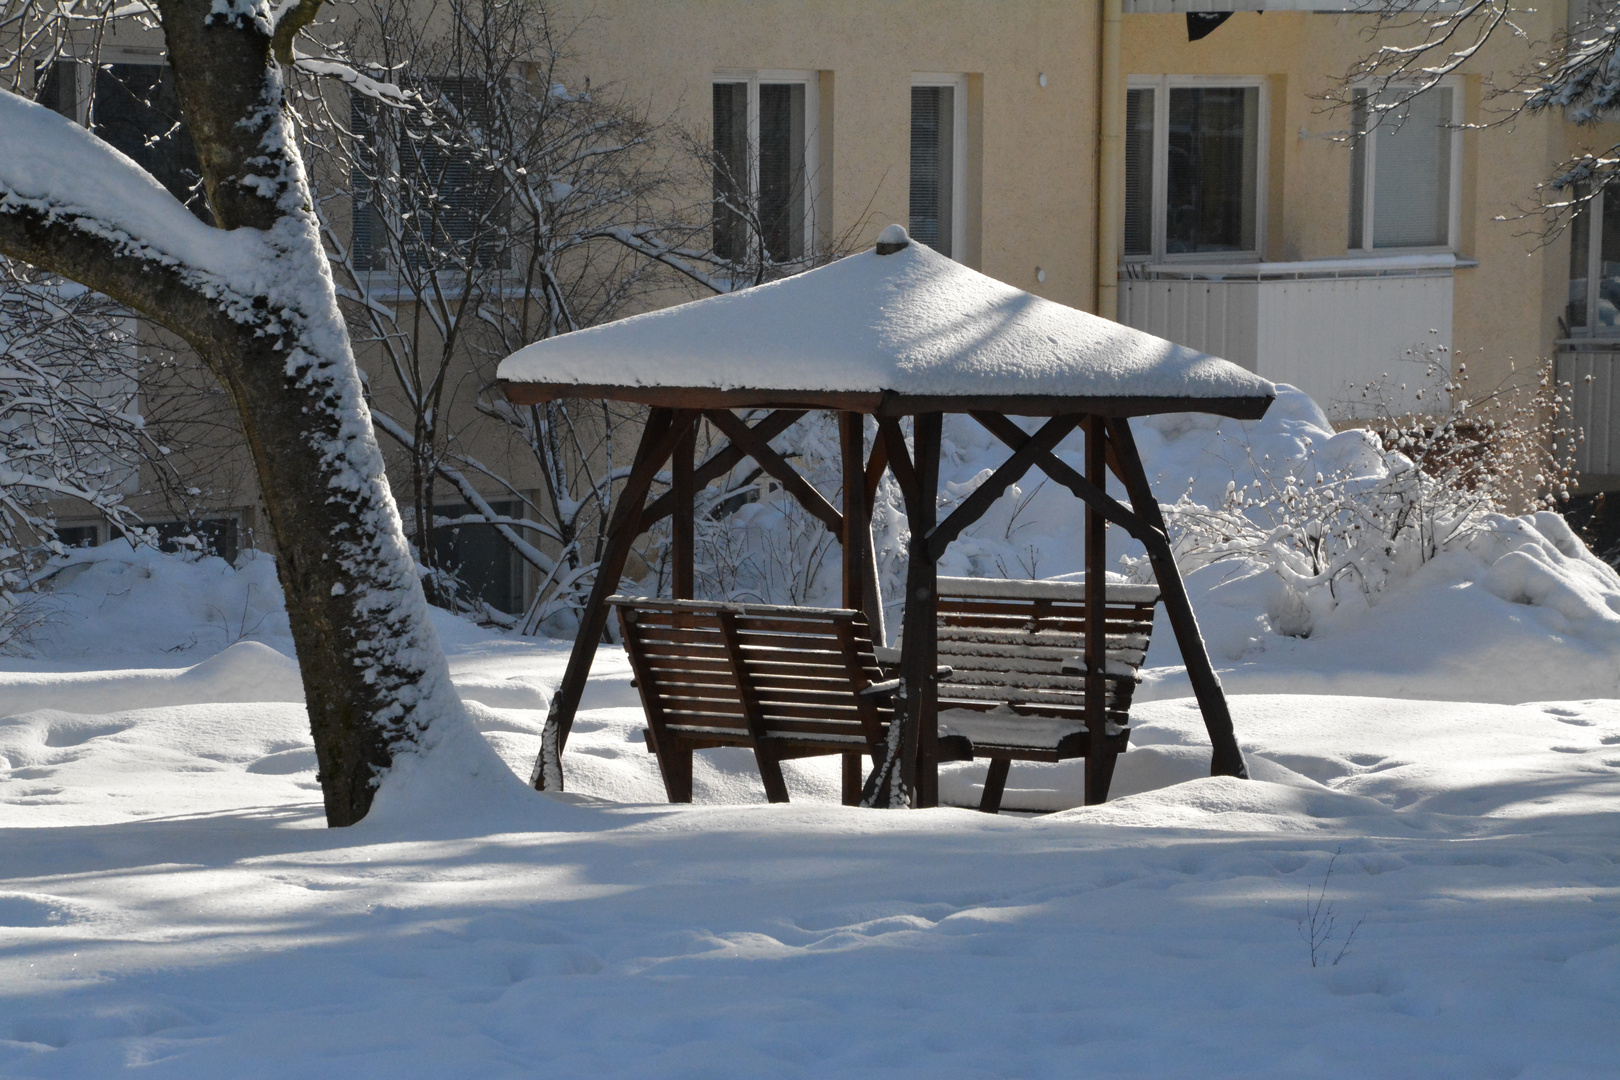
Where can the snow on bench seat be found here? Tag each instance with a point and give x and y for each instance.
(1018, 685)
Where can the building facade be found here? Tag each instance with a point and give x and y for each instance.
(1185, 176)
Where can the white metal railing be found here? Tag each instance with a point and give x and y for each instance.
(1592, 368)
(1330, 326)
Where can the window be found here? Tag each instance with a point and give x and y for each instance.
(1192, 168)
(430, 183)
(479, 557)
(1403, 172)
(764, 158)
(209, 536)
(78, 536)
(938, 154)
(135, 108)
(1594, 256)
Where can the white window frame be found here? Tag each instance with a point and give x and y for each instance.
(811, 80)
(1453, 199)
(1161, 85)
(958, 82)
(1593, 213)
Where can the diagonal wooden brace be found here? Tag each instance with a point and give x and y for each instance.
(748, 440)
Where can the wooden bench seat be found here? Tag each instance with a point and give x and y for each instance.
(791, 682)
(1017, 653)
(784, 682)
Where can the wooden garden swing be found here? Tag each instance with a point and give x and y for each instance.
(893, 332)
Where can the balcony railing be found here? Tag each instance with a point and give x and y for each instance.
(1592, 368)
(1331, 327)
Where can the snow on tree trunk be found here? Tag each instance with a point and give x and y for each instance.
(255, 298)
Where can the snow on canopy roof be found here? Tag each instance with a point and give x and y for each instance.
(908, 324)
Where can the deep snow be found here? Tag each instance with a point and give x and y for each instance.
(171, 904)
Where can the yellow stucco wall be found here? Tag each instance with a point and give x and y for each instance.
(1038, 145)
(1506, 308)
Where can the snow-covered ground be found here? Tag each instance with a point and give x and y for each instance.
(172, 905)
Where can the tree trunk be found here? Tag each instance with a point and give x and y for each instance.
(374, 675)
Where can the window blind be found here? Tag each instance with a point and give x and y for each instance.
(933, 150)
(138, 111)
(781, 169)
(1211, 179)
(1139, 172)
(731, 169)
(1411, 174)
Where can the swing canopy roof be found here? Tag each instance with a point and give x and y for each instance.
(899, 333)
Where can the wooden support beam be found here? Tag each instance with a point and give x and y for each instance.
(876, 466)
(719, 463)
(894, 449)
(770, 766)
(1063, 473)
(1099, 759)
(745, 438)
(683, 522)
(1227, 759)
(664, 429)
(861, 589)
(995, 784)
(1146, 523)
(919, 660)
(1012, 470)
(892, 783)
(909, 773)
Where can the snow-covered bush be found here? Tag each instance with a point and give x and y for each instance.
(1367, 507)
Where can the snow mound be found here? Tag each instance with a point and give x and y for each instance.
(118, 601)
(246, 671)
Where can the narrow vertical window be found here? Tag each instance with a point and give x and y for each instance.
(1358, 170)
(731, 170)
(1412, 174)
(781, 169)
(933, 155)
(58, 88)
(1606, 303)
(1401, 173)
(367, 242)
(1580, 254)
(1212, 169)
(138, 111)
(1139, 172)
(763, 163)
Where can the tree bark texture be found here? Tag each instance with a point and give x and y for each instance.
(374, 675)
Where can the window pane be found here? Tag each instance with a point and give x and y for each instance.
(1139, 172)
(368, 243)
(1211, 176)
(59, 88)
(1412, 174)
(138, 111)
(1580, 250)
(1358, 172)
(451, 202)
(933, 138)
(730, 169)
(480, 558)
(781, 169)
(1608, 292)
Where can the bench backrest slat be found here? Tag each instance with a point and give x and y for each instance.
(747, 673)
(1009, 641)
